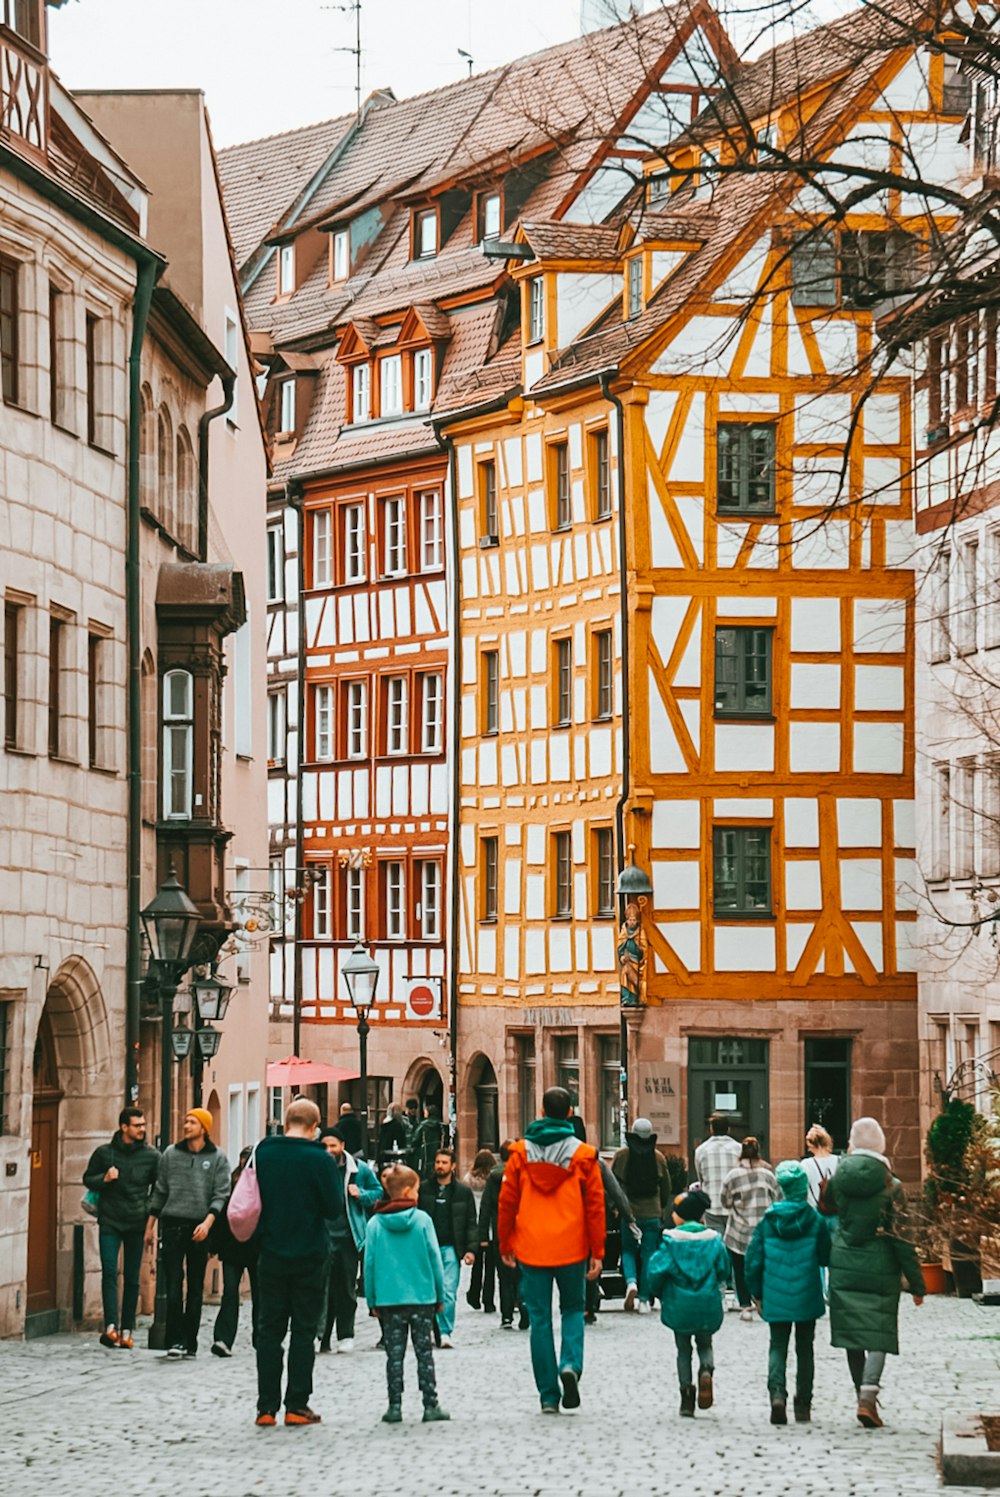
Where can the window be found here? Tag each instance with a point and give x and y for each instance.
(489, 519)
(490, 216)
(391, 385)
(357, 719)
(562, 907)
(941, 824)
(322, 550)
(634, 281)
(432, 701)
(431, 532)
(166, 489)
(354, 901)
(745, 468)
(490, 876)
(90, 335)
(361, 392)
(396, 734)
(743, 672)
(13, 614)
(286, 270)
(828, 1087)
(562, 511)
(394, 527)
(536, 310)
(604, 679)
(429, 912)
(425, 234)
(323, 741)
(423, 364)
(941, 603)
(938, 388)
(563, 683)
(600, 469)
(25, 17)
(604, 846)
(9, 330)
(231, 351)
(967, 393)
(286, 420)
(178, 744)
(57, 668)
(276, 702)
(57, 373)
(742, 870)
(395, 902)
(568, 1066)
(992, 616)
(275, 563)
(814, 270)
(491, 698)
(6, 1044)
(964, 808)
(609, 1061)
(322, 928)
(355, 565)
(875, 264)
(988, 841)
(956, 91)
(341, 255)
(98, 725)
(968, 611)
(525, 1051)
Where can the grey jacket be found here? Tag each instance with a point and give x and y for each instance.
(189, 1185)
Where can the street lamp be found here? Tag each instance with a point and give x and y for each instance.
(633, 887)
(209, 1040)
(361, 975)
(211, 999)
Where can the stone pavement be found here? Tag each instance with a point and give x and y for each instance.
(78, 1419)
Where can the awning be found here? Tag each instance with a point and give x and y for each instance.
(295, 1072)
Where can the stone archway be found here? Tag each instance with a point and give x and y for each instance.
(482, 1104)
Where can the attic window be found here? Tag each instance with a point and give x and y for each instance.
(634, 275)
(536, 310)
(286, 391)
(341, 255)
(391, 385)
(490, 216)
(425, 234)
(286, 270)
(361, 387)
(422, 367)
(658, 187)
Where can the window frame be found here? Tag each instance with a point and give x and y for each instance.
(428, 880)
(604, 873)
(10, 330)
(394, 538)
(361, 394)
(340, 240)
(322, 902)
(741, 833)
(535, 331)
(397, 716)
(741, 684)
(287, 402)
(482, 227)
(181, 723)
(742, 434)
(603, 644)
(431, 515)
(633, 287)
(489, 510)
(394, 882)
(423, 379)
(275, 565)
(490, 864)
(599, 449)
(561, 486)
(491, 693)
(355, 541)
(286, 269)
(324, 722)
(562, 682)
(354, 903)
(355, 719)
(390, 363)
(56, 673)
(421, 218)
(562, 875)
(431, 742)
(277, 708)
(322, 547)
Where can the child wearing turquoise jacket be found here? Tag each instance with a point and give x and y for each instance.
(404, 1285)
(687, 1273)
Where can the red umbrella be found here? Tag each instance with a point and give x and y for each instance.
(295, 1072)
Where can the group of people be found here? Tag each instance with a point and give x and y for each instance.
(538, 1226)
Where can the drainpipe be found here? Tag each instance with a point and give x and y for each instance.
(293, 497)
(456, 785)
(147, 273)
(626, 723)
(205, 421)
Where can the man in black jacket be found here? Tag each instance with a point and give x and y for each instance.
(122, 1174)
(508, 1277)
(452, 1208)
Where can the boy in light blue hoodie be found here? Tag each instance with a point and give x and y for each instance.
(687, 1273)
(404, 1284)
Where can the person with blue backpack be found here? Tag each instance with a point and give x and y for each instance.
(789, 1248)
(687, 1274)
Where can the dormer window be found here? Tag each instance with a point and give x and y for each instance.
(361, 392)
(490, 215)
(391, 385)
(341, 255)
(286, 270)
(658, 187)
(536, 310)
(422, 375)
(634, 286)
(425, 234)
(286, 392)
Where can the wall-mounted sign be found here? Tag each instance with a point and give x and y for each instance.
(423, 997)
(657, 1097)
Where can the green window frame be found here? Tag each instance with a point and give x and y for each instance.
(743, 670)
(745, 467)
(741, 870)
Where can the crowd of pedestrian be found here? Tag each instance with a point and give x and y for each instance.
(305, 1219)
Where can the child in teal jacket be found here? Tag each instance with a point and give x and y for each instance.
(789, 1247)
(404, 1284)
(687, 1273)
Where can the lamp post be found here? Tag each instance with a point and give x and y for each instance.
(211, 999)
(361, 975)
(171, 922)
(633, 887)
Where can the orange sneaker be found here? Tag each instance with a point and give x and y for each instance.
(110, 1337)
(302, 1416)
(125, 1340)
(265, 1420)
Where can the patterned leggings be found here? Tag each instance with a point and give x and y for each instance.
(419, 1321)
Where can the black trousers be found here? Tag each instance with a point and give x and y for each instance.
(341, 1292)
(228, 1318)
(183, 1258)
(509, 1285)
(482, 1288)
(291, 1292)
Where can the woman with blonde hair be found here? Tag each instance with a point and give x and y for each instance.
(747, 1192)
(821, 1163)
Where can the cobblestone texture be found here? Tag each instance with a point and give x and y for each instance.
(79, 1419)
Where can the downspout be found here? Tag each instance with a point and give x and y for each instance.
(204, 422)
(456, 785)
(626, 723)
(293, 496)
(147, 273)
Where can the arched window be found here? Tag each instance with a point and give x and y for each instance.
(147, 449)
(150, 735)
(178, 745)
(165, 507)
(187, 492)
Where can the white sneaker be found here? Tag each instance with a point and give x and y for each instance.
(446, 1343)
(347, 1344)
(746, 1315)
(631, 1295)
(644, 1307)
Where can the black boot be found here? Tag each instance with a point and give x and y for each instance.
(803, 1412)
(688, 1394)
(779, 1409)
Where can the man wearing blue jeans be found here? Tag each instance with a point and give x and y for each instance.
(452, 1208)
(122, 1174)
(550, 1225)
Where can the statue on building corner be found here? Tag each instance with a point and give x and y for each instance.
(632, 946)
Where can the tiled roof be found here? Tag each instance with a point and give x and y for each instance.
(568, 241)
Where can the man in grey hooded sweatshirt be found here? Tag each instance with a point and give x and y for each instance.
(192, 1185)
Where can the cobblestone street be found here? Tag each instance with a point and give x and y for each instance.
(79, 1419)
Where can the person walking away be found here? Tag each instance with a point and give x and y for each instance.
(427, 1138)
(122, 1174)
(237, 1259)
(687, 1274)
(713, 1160)
(784, 1263)
(646, 1179)
(820, 1163)
(452, 1208)
(747, 1192)
(579, 1126)
(617, 1214)
(350, 1129)
(550, 1224)
(404, 1286)
(482, 1288)
(299, 1194)
(192, 1186)
(394, 1138)
(872, 1251)
(508, 1277)
(361, 1192)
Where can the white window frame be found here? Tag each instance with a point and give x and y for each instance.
(286, 406)
(492, 210)
(431, 717)
(354, 904)
(253, 1112)
(423, 370)
(431, 531)
(425, 234)
(275, 563)
(323, 723)
(396, 716)
(395, 536)
(361, 392)
(355, 543)
(277, 702)
(357, 719)
(231, 352)
(234, 1120)
(322, 910)
(395, 901)
(391, 385)
(178, 748)
(536, 309)
(430, 900)
(286, 269)
(342, 255)
(322, 548)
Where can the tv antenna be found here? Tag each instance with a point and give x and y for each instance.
(468, 58)
(355, 51)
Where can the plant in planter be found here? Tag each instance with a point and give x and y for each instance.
(963, 1189)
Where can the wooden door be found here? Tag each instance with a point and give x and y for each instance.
(42, 1205)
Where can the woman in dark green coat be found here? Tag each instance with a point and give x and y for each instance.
(871, 1254)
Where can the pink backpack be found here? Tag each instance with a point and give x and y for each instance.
(243, 1211)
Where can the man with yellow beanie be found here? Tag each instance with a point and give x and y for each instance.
(191, 1188)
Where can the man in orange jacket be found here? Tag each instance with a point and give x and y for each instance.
(550, 1224)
